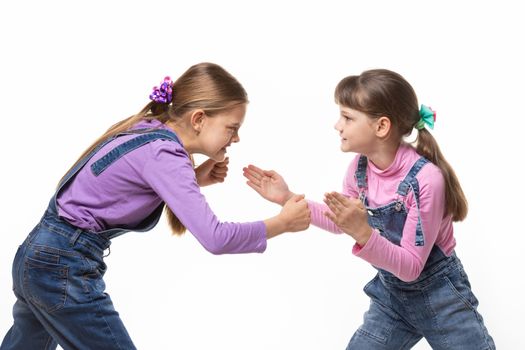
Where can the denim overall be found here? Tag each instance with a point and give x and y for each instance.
(58, 271)
(439, 305)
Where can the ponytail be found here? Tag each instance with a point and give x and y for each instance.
(456, 202)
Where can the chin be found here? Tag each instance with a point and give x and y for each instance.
(219, 157)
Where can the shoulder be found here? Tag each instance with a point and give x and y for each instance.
(352, 167)
(429, 175)
(159, 155)
(167, 146)
(167, 154)
(431, 180)
(349, 179)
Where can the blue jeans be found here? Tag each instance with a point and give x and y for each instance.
(439, 306)
(57, 279)
(58, 270)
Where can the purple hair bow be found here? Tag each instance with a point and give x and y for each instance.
(164, 93)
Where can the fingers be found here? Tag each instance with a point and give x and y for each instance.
(260, 173)
(297, 197)
(339, 199)
(223, 164)
(297, 207)
(336, 200)
(252, 176)
(331, 216)
(255, 170)
(271, 173)
(219, 171)
(256, 187)
(333, 203)
(207, 164)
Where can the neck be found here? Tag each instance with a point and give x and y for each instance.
(384, 155)
(186, 136)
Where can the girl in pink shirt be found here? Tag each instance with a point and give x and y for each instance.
(398, 203)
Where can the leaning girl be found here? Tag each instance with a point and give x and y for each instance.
(123, 182)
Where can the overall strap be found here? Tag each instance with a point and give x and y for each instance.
(158, 134)
(116, 153)
(360, 176)
(410, 183)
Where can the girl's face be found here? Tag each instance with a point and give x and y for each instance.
(356, 130)
(220, 131)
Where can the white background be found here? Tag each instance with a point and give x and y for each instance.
(69, 70)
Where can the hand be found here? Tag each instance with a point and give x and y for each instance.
(268, 183)
(350, 215)
(294, 216)
(211, 172)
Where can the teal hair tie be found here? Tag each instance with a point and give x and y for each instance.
(428, 117)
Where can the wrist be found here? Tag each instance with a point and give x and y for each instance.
(286, 197)
(274, 226)
(363, 238)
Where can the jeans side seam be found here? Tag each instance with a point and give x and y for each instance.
(109, 328)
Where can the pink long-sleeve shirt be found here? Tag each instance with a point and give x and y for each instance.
(407, 260)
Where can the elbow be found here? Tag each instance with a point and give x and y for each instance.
(215, 249)
(214, 242)
(408, 278)
(218, 245)
(411, 275)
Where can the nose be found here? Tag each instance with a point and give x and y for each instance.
(236, 138)
(337, 125)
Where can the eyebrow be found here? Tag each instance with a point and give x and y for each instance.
(235, 125)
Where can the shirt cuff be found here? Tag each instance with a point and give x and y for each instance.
(359, 251)
(262, 242)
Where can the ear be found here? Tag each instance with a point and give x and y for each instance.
(383, 126)
(197, 119)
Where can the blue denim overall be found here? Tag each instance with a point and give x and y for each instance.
(58, 273)
(439, 305)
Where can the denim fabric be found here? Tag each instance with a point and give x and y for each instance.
(438, 306)
(58, 276)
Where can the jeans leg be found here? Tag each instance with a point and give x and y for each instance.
(382, 330)
(456, 323)
(27, 332)
(62, 284)
(91, 325)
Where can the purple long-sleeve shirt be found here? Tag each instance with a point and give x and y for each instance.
(137, 183)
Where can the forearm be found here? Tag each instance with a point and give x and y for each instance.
(319, 219)
(400, 261)
(274, 227)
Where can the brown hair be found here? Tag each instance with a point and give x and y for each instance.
(380, 92)
(205, 86)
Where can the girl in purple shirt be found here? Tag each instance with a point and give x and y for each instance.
(139, 168)
(398, 203)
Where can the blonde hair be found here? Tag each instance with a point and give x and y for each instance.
(205, 86)
(380, 92)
